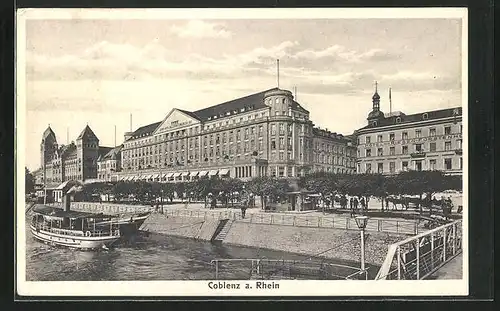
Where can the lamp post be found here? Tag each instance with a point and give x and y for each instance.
(361, 221)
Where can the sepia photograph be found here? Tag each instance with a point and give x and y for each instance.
(245, 152)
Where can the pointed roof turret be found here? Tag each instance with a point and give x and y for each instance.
(48, 133)
(87, 133)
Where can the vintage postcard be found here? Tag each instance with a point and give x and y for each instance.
(241, 152)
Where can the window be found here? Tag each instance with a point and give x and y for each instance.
(418, 133)
(461, 163)
(391, 136)
(460, 129)
(405, 149)
(368, 140)
(405, 135)
(281, 155)
(281, 171)
(459, 144)
(392, 167)
(418, 165)
(447, 164)
(447, 145)
(425, 116)
(432, 164)
(379, 138)
(368, 167)
(432, 132)
(447, 130)
(418, 147)
(432, 147)
(380, 152)
(392, 151)
(282, 142)
(380, 168)
(405, 165)
(368, 152)
(273, 129)
(273, 144)
(398, 120)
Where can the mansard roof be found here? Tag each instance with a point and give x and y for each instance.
(416, 117)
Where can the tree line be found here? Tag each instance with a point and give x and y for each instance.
(231, 190)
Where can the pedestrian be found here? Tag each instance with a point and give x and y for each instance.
(362, 201)
(244, 208)
(355, 203)
(213, 204)
(351, 202)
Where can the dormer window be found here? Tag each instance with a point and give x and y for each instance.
(425, 116)
(228, 113)
(242, 109)
(209, 118)
(215, 117)
(398, 120)
(374, 123)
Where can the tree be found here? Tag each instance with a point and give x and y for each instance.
(270, 187)
(29, 181)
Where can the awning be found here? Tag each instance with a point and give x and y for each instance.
(176, 175)
(164, 175)
(185, 174)
(156, 175)
(213, 172)
(121, 177)
(202, 173)
(193, 174)
(169, 175)
(224, 171)
(149, 176)
(134, 178)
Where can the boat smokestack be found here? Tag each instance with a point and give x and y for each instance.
(66, 202)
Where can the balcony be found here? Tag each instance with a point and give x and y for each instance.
(458, 151)
(418, 154)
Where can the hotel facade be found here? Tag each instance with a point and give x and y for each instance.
(395, 142)
(263, 134)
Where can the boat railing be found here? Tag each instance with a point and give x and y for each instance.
(89, 232)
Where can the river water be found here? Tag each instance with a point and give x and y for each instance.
(155, 257)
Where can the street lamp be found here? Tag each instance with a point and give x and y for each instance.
(361, 221)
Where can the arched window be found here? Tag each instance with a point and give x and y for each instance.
(425, 116)
(398, 120)
(374, 123)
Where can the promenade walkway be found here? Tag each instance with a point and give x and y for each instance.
(452, 270)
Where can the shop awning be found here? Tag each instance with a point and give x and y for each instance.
(156, 175)
(176, 175)
(169, 175)
(149, 176)
(213, 172)
(202, 173)
(193, 174)
(164, 175)
(184, 174)
(224, 171)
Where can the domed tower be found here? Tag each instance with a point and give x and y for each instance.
(375, 114)
(48, 147)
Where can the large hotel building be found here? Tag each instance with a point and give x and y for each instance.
(263, 134)
(430, 140)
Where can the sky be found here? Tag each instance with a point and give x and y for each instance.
(98, 72)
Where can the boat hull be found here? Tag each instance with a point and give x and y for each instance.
(73, 241)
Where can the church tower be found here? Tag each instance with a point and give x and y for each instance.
(87, 145)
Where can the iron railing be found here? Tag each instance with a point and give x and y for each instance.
(269, 269)
(374, 224)
(418, 257)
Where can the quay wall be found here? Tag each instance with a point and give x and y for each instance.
(306, 240)
(187, 227)
(344, 244)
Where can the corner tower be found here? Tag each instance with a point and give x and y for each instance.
(48, 147)
(87, 145)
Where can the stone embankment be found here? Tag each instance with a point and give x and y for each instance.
(333, 243)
